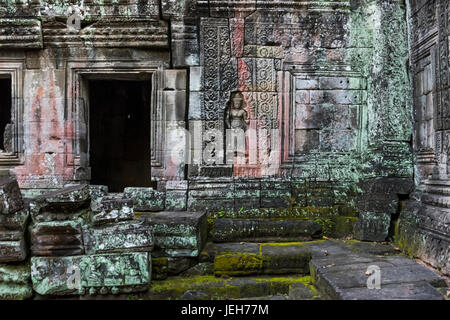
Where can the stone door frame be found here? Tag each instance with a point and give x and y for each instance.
(77, 148)
(13, 69)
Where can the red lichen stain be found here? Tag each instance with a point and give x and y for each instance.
(237, 37)
(243, 75)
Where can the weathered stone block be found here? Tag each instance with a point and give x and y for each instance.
(12, 226)
(65, 204)
(275, 194)
(13, 251)
(57, 238)
(264, 230)
(111, 209)
(10, 197)
(178, 234)
(97, 192)
(175, 103)
(195, 107)
(15, 282)
(195, 78)
(118, 237)
(12, 236)
(204, 195)
(176, 200)
(21, 33)
(234, 259)
(306, 84)
(247, 194)
(163, 267)
(337, 96)
(145, 199)
(174, 79)
(352, 83)
(92, 274)
(372, 226)
(176, 195)
(306, 140)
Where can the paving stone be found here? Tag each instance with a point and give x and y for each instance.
(97, 274)
(145, 199)
(111, 209)
(399, 291)
(15, 282)
(264, 230)
(178, 234)
(338, 272)
(10, 196)
(57, 238)
(373, 248)
(66, 204)
(123, 236)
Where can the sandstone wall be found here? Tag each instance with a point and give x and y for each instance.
(424, 226)
(325, 85)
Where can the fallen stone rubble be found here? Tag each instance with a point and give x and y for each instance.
(83, 242)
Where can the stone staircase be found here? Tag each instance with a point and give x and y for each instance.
(119, 252)
(323, 269)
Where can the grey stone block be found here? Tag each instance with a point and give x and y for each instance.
(174, 79)
(10, 197)
(91, 274)
(176, 195)
(178, 234)
(111, 209)
(145, 199)
(118, 237)
(13, 251)
(97, 192)
(57, 238)
(264, 230)
(66, 204)
(404, 291)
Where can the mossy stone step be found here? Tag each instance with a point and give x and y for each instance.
(264, 230)
(248, 258)
(210, 287)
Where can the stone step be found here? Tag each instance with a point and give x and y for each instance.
(210, 287)
(264, 230)
(438, 200)
(247, 258)
(343, 273)
(177, 233)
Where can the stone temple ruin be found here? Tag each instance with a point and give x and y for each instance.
(151, 148)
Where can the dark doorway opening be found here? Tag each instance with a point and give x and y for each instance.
(119, 133)
(5, 108)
